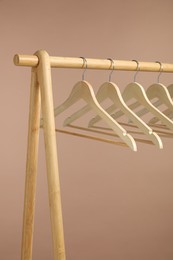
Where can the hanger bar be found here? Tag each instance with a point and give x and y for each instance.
(161, 133)
(91, 137)
(103, 64)
(107, 133)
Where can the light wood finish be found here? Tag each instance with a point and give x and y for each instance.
(119, 113)
(83, 90)
(156, 127)
(111, 91)
(41, 82)
(160, 133)
(81, 112)
(160, 92)
(170, 89)
(108, 133)
(91, 137)
(31, 168)
(44, 77)
(168, 112)
(135, 90)
(73, 62)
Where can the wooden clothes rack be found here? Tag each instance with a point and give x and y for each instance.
(41, 97)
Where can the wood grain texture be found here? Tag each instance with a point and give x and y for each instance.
(76, 62)
(31, 169)
(44, 77)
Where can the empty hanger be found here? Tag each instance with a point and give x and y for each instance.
(135, 90)
(160, 92)
(83, 90)
(168, 112)
(111, 91)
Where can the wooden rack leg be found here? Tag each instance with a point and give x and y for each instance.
(44, 77)
(31, 168)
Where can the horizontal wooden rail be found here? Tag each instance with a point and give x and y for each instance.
(103, 64)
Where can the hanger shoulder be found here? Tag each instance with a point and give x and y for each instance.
(170, 89)
(161, 92)
(119, 113)
(136, 90)
(167, 112)
(84, 110)
(164, 94)
(75, 95)
(104, 92)
(84, 90)
(77, 115)
(111, 91)
(92, 101)
(81, 90)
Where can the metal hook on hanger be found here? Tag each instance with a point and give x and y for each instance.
(161, 70)
(137, 69)
(85, 67)
(112, 66)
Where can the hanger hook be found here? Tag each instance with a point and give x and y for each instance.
(137, 69)
(85, 67)
(112, 66)
(160, 70)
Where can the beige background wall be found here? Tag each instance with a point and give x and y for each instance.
(116, 204)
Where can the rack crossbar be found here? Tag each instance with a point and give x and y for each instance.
(100, 64)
